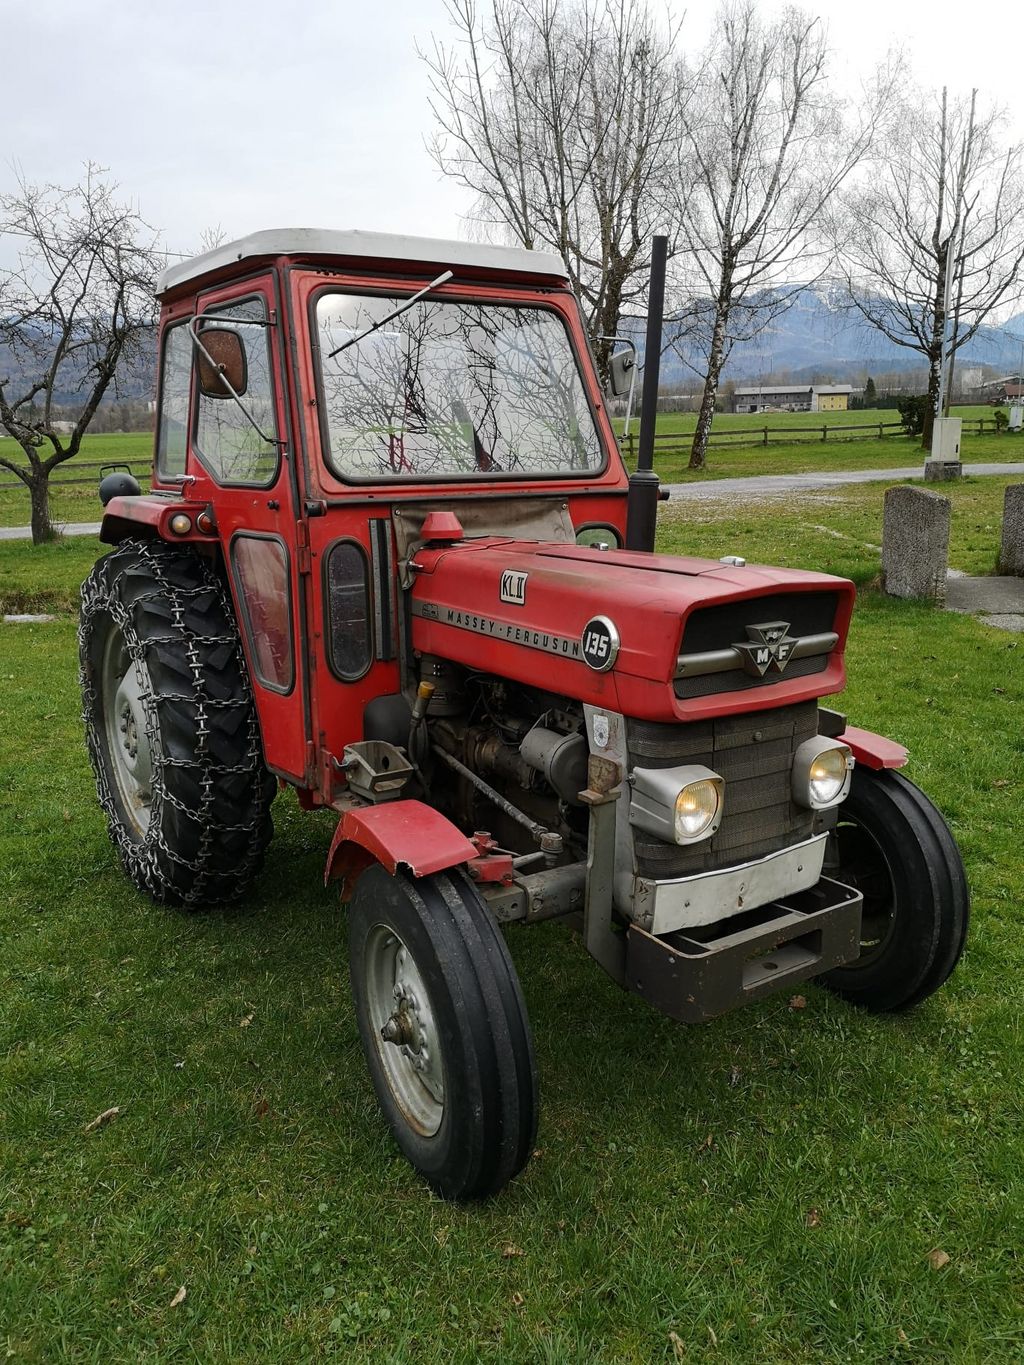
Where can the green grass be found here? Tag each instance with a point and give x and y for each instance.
(78, 502)
(677, 1169)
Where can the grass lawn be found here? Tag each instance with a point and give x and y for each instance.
(765, 1188)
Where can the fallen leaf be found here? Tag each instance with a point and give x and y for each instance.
(517, 1300)
(103, 1118)
(179, 1298)
(441, 1236)
(510, 1249)
(937, 1258)
(711, 1334)
(262, 1109)
(734, 1077)
(244, 1023)
(797, 1002)
(902, 1337)
(678, 1349)
(813, 1218)
(1001, 782)
(707, 1144)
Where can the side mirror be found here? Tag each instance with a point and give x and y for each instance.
(226, 349)
(620, 372)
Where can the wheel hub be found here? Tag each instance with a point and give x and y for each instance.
(124, 718)
(409, 1045)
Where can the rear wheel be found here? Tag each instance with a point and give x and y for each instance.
(171, 725)
(444, 1029)
(893, 846)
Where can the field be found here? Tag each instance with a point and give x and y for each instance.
(776, 1186)
(78, 502)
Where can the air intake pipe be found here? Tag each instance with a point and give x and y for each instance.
(642, 503)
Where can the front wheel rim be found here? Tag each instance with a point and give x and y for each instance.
(862, 864)
(404, 1029)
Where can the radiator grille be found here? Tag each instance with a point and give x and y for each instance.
(754, 754)
(718, 627)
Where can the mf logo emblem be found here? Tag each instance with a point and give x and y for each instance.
(513, 587)
(768, 646)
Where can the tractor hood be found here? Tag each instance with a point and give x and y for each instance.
(652, 636)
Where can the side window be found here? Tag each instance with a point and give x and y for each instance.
(261, 579)
(231, 447)
(348, 608)
(175, 377)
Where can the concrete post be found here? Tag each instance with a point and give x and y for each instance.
(1011, 551)
(915, 544)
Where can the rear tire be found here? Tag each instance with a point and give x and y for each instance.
(444, 1030)
(893, 846)
(171, 726)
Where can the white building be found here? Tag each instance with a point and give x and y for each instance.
(793, 398)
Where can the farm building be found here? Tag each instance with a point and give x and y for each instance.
(793, 398)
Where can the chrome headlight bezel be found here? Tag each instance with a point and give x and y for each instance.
(805, 782)
(656, 793)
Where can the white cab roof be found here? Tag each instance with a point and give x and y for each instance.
(384, 246)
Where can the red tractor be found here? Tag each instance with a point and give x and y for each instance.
(383, 562)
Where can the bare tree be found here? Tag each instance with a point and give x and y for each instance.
(941, 217)
(559, 116)
(764, 147)
(76, 305)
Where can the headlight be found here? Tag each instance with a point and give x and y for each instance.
(696, 807)
(822, 772)
(679, 805)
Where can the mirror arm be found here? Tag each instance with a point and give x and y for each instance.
(193, 324)
(625, 341)
(395, 313)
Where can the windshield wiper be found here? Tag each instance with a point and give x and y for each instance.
(395, 313)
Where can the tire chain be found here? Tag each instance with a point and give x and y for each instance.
(143, 861)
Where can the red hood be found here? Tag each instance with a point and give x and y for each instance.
(459, 613)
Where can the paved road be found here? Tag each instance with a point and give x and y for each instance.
(709, 489)
(73, 528)
(691, 492)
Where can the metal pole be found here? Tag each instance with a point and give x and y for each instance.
(642, 504)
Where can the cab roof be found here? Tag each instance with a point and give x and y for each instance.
(353, 246)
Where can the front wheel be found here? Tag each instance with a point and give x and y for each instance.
(893, 846)
(444, 1029)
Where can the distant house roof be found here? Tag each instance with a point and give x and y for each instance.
(795, 388)
(357, 245)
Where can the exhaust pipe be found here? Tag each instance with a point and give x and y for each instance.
(642, 503)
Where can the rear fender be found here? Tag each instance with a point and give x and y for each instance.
(401, 836)
(142, 515)
(874, 751)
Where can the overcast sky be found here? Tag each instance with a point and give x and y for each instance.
(246, 114)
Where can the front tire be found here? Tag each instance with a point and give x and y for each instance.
(893, 846)
(171, 725)
(444, 1030)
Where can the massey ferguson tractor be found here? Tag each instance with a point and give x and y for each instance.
(391, 558)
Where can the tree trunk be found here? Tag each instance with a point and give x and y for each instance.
(934, 374)
(43, 529)
(699, 449)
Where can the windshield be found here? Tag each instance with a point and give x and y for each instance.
(451, 390)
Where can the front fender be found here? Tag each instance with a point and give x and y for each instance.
(396, 834)
(874, 751)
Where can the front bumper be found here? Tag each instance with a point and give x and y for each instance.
(699, 975)
(662, 907)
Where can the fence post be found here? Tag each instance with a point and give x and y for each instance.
(879, 431)
(766, 435)
(824, 433)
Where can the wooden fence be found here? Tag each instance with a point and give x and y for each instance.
(59, 478)
(679, 442)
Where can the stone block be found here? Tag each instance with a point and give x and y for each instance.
(915, 544)
(942, 471)
(1011, 551)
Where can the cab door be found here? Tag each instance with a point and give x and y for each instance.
(241, 460)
